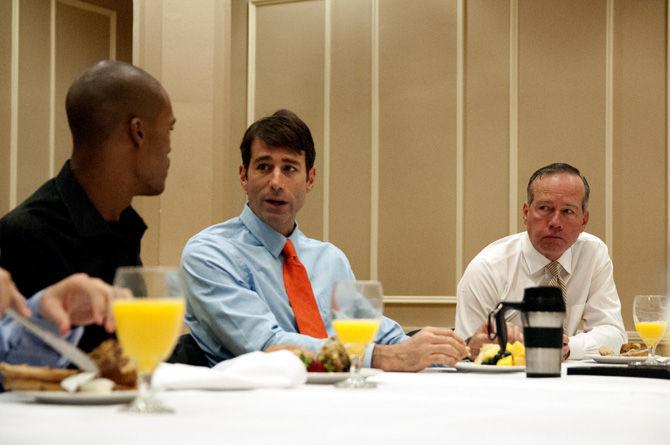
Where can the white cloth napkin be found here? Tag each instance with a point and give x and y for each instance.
(279, 369)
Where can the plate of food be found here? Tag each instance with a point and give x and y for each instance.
(326, 378)
(631, 352)
(330, 365)
(115, 384)
(488, 359)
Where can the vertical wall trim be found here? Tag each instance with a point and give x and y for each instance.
(326, 118)
(112, 36)
(513, 116)
(374, 155)
(460, 135)
(52, 89)
(667, 143)
(609, 127)
(138, 38)
(251, 63)
(14, 119)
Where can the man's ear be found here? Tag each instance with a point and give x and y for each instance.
(137, 131)
(525, 213)
(243, 177)
(585, 219)
(311, 176)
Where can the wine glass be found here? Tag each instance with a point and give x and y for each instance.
(357, 308)
(649, 314)
(148, 323)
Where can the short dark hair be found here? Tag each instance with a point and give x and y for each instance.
(554, 169)
(107, 95)
(283, 129)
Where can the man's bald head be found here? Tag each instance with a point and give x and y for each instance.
(107, 95)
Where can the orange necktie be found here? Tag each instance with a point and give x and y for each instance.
(300, 295)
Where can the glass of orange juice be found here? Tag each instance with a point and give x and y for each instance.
(149, 312)
(357, 308)
(650, 317)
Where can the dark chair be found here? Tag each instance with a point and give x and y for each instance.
(187, 351)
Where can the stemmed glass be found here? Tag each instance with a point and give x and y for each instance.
(148, 324)
(649, 314)
(357, 308)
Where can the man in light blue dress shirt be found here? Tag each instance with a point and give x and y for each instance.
(238, 303)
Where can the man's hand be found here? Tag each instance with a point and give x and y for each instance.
(429, 346)
(78, 300)
(514, 333)
(566, 347)
(10, 296)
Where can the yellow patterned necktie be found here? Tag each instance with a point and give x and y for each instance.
(554, 268)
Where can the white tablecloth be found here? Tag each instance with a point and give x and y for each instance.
(442, 408)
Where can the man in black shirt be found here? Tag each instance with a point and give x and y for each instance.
(82, 221)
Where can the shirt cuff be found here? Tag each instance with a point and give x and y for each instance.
(577, 347)
(367, 360)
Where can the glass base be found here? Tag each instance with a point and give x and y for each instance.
(147, 406)
(355, 383)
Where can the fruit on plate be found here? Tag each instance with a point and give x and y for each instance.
(515, 355)
(331, 358)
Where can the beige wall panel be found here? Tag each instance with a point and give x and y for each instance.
(190, 86)
(5, 101)
(413, 316)
(562, 93)
(350, 132)
(289, 74)
(233, 196)
(150, 58)
(640, 183)
(417, 138)
(486, 178)
(186, 204)
(82, 38)
(34, 94)
(124, 25)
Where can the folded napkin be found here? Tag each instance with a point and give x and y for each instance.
(279, 369)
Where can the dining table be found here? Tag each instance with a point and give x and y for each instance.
(439, 405)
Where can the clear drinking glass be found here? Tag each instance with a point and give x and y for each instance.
(650, 316)
(148, 324)
(357, 308)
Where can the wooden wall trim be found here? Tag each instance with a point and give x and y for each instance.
(609, 128)
(460, 136)
(513, 115)
(420, 299)
(14, 98)
(374, 142)
(327, 52)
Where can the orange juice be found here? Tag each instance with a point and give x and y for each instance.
(148, 328)
(355, 334)
(651, 332)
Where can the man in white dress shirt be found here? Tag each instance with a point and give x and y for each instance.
(554, 250)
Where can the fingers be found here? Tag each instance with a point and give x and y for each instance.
(514, 333)
(79, 300)
(10, 296)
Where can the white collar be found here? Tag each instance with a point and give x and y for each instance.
(536, 262)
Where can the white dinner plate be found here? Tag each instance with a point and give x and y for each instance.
(326, 378)
(473, 367)
(618, 359)
(81, 398)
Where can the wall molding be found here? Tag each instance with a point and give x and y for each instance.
(14, 99)
(513, 116)
(609, 128)
(374, 145)
(327, 63)
(251, 62)
(460, 135)
(420, 300)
